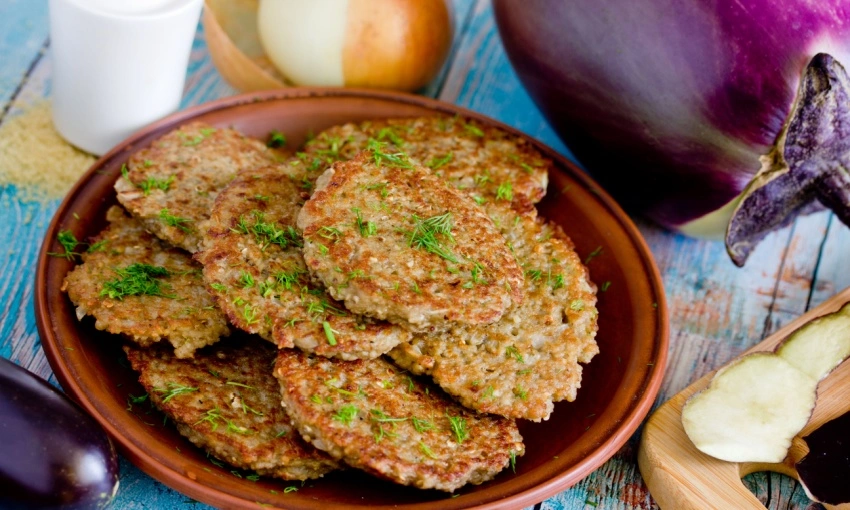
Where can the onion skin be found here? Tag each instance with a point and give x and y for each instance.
(395, 44)
(52, 454)
(670, 104)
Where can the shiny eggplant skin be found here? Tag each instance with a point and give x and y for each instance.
(52, 454)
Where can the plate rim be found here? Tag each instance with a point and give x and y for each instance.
(179, 481)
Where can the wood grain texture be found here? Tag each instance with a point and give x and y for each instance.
(681, 477)
(716, 310)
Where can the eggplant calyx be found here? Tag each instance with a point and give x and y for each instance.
(808, 166)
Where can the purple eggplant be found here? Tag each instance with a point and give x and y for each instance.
(52, 454)
(716, 118)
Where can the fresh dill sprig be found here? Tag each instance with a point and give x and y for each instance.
(152, 183)
(266, 233)
(136, 280)
(175, 221)
(346, 413)
(276, 139)
(592, 255)
(246, 280)
(366, 228)
(97, 246)
(512, 352)
(436, 162)
(388, 133)
(290, 278)
(329, 333)
(426, 450)
(212, 416)
(68, 242)
(424, 235)
(505, 191)
(458, 426)
(421, 425)
(396, 159)
(172, 390)
(474, 130)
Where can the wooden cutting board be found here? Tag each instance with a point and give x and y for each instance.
(680, 477)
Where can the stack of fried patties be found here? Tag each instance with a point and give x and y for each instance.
(382, 253)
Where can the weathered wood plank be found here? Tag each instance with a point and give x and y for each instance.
(833, 274)
(23, 35)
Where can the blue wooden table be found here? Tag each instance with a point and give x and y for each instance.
(716, 310)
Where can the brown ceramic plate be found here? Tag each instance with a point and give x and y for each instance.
(618, 389)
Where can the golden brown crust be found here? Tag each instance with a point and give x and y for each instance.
(192, 163)
(263, 286)
(377, 418)
(473, 157)
(188, 319)
(230, 406)
(531, 358)
(361, 227)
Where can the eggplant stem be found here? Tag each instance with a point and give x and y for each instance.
(808, 167)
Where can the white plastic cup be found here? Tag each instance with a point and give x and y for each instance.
(118, 65)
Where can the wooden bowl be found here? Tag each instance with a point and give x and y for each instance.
(230, 28)
(618, 389)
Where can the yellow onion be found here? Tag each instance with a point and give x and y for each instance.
(394, 44)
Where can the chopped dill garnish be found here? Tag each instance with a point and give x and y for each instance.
(172, 390)
(137, 280)
(97, 246)
(520, 392)
(366, 229)
(474, 130)
(246, 280)
(266, 233)
(204, 132)
(513, 461)
(557, 282)
(396, 159)
(380, 416)
(346, 413)
(253, 477)
(231, 383)
(331, 233)
(577, 305)
(381, 187)
(424, 235)
(595, 253)
(175, 221)
(69, 243)
(262, 198)
(276, 139)
(289, 489)
(534, 274)
(388, 133)
(329, 333)
(482, 179)
(505, 191)
(438, 162)
(479, 200)
(415, 288)
(288, 279)
(512, 352)
(458, 426)
(152, 183)
(266, 289)
(249, 314)
(212, 416)
(605, 286)
(219, 287)
(421, 425)
(427, 451)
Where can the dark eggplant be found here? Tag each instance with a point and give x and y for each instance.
(52, 454)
